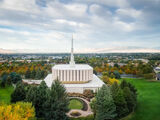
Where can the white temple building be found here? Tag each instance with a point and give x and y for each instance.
(75, 77)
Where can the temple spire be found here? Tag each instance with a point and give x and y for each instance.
(72, 56)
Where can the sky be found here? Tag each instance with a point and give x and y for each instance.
(96, 25)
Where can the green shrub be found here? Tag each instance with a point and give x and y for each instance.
(149, 76)
(75, 113)
(88, 93)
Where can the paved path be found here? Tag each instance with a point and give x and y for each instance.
(83, 113)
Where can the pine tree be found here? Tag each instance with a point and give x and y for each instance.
(123, 84)
(133, 90)
(119, 100)
(33, 74)
(19, 93)
(38, 74)
(129, 97)
(28, 74)
(15, 78)
(3, 81)
(117, 74)
(57, 103)
(41, 98)
(9, 80)
(31, 94)
(93, 106)
(105, 105)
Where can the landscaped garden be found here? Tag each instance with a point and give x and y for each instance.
(75, 104)
(148, 106)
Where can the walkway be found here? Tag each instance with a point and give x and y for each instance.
(83, 113)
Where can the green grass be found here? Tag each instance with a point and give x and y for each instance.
(5, 94)
(75, 104)
(148, 107)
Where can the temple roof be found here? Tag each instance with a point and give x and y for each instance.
(72, 67)
(96, 82)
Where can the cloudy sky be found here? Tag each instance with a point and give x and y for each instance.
(97, 25)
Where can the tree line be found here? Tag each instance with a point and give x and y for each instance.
(34, 70)
(49, 104)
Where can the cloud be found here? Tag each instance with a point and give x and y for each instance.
(46, 24)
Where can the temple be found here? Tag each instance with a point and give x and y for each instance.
(75, 77)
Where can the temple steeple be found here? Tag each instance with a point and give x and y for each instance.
(72, 56)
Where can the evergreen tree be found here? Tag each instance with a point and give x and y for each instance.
(130, 94)
(33, 74)
(15, 78)
(57, 103)
(105, 105)
(114, 88)
(38, 96)
(19, 93)
(31, 94)
(133, 90)
(117, 74)
(38, 74)
(9, 80)
(42, 73)
(3, 81)
(41, 99)
(119, 100)
(123, 84)
(28, 74)
(93, 106)
(129, 97)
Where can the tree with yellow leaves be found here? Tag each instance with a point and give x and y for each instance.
(108, 80)
(18, 111)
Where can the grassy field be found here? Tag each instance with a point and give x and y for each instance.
(148, 107)
(5, 94)
(75, 104)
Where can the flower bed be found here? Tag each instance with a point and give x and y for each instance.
(75, 114)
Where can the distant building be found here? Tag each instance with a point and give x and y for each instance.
(158, 76)
(157, 71)
(143, 60)
(57, 57)
(3, 61)
(111, 64)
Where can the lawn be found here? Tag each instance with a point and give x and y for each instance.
(148, 107)
(75, 104)
(5, 94)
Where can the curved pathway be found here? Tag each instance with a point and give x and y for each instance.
(83, 113)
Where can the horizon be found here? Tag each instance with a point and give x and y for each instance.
(106, 26)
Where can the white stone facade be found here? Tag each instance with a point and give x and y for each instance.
(94, 84)
(76, 73)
